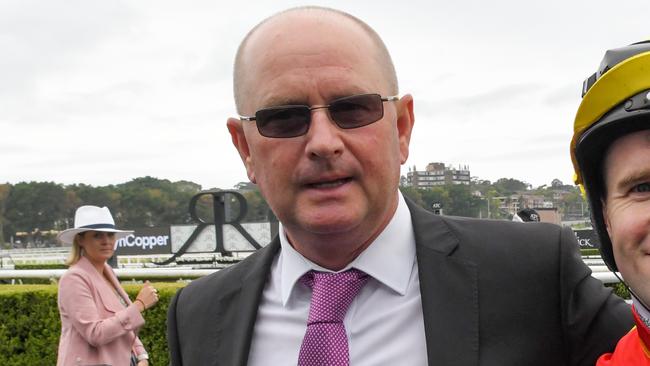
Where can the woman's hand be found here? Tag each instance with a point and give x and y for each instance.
(147, 297)
(143, 363)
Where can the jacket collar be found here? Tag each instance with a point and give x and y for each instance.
(242, 299)
(449, 290)
(106, 293)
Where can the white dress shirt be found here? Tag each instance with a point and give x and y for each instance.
(384, 323)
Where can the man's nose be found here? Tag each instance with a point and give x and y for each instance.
(324, 136)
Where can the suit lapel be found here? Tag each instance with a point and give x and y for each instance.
(238, 308)
(106, 294)
(449, 289)
(110, 274)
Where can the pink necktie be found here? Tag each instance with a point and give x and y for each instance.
(325, 342)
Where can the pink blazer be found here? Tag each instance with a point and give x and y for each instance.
(96, 329)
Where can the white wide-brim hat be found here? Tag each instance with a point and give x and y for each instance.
(94, 218)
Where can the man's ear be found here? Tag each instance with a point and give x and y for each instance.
(405, 121)
(238, 138)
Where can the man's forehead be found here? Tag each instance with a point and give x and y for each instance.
(288, 61)
(626, 155)
(305, 96)
(631, 140)
(322, 86)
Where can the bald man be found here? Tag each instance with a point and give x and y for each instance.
(359, 275)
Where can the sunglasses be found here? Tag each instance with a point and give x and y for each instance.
(293, 120)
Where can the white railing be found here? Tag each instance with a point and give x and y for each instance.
(18, 251)
(8, 261)
(122, 273)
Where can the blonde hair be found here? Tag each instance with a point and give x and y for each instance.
(75, 251)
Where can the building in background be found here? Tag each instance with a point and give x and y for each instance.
(437, 174)
(549, 214)
(519, 200)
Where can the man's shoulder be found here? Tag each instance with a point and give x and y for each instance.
(500, 227)
(473, 226)
(233, 277)
(482, 239)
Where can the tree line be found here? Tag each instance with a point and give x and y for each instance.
(484, 199)
(35, 211)
(38, 209)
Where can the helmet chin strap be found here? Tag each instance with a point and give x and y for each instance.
(639, 301)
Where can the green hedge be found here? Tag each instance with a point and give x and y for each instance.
(30, 325)
(590, 251)
(620, 290)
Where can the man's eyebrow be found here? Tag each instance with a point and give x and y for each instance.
(633, 178)
(300, 100)
(282, 100)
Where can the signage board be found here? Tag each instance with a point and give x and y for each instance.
(587, 238)
(233, 240)
(150, 240)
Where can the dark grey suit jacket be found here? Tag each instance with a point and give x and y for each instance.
(493, 293)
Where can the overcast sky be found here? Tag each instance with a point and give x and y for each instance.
(101, 92)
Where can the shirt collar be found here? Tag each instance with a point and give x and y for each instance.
(641, 311)
(389, 259)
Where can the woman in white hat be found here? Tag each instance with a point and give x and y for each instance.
(99, 323)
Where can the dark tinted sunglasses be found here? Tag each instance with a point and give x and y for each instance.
(293, 120)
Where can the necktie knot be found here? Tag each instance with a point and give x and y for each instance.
(332, 293)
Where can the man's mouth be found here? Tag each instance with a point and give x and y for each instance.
(329, 184)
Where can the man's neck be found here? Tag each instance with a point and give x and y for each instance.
(334, 255)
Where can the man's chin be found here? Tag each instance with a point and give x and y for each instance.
(641, 287)
(330, 223)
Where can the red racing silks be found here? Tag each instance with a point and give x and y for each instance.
(643, 329)
(632, 349)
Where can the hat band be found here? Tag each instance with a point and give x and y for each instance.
(97, 226)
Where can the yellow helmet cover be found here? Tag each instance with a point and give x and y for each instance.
(624, 80)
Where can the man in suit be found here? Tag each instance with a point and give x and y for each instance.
(323, 133)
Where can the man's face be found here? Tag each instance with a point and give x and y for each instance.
(329, 181)
(627, 208)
